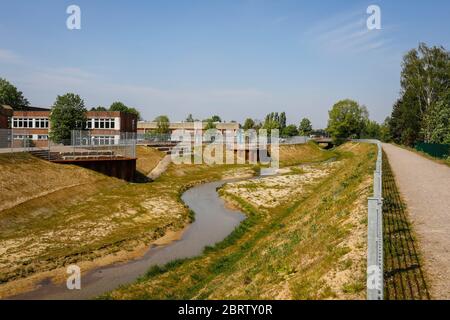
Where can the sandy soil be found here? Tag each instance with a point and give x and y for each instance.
(425, 186)
(160, 168)
(270, 192)
(59, 275)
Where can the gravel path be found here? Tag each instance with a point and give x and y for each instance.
(425, 186)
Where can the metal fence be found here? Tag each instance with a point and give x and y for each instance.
(433, 149)
(21, 140)
(82, 144)
(68, 150)
(375, 258)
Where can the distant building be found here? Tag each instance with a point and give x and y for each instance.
(104, 127)
(188, 127)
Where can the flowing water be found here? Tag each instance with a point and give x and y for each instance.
(213, 223)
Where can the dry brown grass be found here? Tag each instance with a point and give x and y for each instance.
(148, 158)
(291, 155)
(67, 224)
(310, 246)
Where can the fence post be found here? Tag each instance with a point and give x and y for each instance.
(374, 251)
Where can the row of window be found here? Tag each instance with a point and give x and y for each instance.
(30, 137)
(30, 123)
(103, 140)
(43, 123)
(100, 123)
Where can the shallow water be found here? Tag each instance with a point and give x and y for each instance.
(213, 223)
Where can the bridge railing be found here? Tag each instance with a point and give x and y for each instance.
(375, 257)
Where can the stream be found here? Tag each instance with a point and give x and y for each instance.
(213, 223)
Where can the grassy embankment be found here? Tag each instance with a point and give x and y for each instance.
(310, 245)
(54, 215)
(404, 277)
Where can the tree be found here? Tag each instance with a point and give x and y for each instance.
(99, 108)
(282, 121)
(290, 131)
(438, 119)
(249, 124)
(371, 130)
(163, 124)
(425, 81)
(120, 106)
(271, 122)
(135, 112)
(9, 95)
(346, 120)
(210, 124)
(68, 113)
(216, 118)
(305, 127)
(189, 118)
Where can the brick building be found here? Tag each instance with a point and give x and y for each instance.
(31, 126)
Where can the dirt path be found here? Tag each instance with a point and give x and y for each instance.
(425, 186)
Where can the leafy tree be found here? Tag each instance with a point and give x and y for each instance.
(385, 132)
(135, 112)
(282, 120)
(163, 124)
(68, 113)
(189, 118)
(271, 122)
(120, 106)
(210, 124)
(305, 127)
(249, 124)
(425, 82)
(371, 130)
(346, 119)
(438, 119)
(216, 118)
(99, 108)
(9, 95)
(290, 131)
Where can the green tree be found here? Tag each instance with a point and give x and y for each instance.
(438, 119)
(120, 106)
(346, 120)
(216, 118)
(282, 120)
(163, 124)
(99, 108)
(271, 122)
(9, 95)
(210, 124)
(305, 127)
(249, 124)
(425, 80)
(290, 131)
(68, 113)
(189, 118)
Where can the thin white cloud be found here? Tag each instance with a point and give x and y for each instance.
(346, 33)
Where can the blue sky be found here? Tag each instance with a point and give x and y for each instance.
(234, 58)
